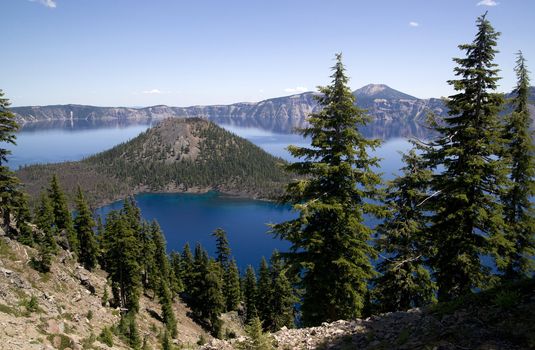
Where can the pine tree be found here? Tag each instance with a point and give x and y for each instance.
(281, 302)
(24, 218)
(47, 246)
(516, 260)
(250, 294)
(258, 340)
(232, 292)
(187, 268)
(466, 212)
(83, 226)
(222, 247)
(329, 238)
(9, 184)
(263, 291)
(175, 260)
(403, 238)
(122, 251)
(161, 261)
(168, 314)
(62, 216)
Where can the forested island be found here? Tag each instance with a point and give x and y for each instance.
(177, 155)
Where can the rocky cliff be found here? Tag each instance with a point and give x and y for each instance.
(393, 113)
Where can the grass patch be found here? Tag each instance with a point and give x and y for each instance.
(6, 309)
(64, 343)
(6, 251)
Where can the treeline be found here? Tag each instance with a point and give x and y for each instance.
(133, 252)
(462, 197)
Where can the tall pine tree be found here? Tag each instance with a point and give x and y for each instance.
(405, 281)
(469, 173)
(62, 216)
(329, 238)
(250, 294)
(517, 259)
(83, 225)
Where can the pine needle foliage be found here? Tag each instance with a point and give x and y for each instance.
(329, 238)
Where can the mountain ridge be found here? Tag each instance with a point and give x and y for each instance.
(394, 113)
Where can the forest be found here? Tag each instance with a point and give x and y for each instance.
(461, 200)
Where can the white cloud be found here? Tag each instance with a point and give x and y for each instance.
(487, 3)
(48, 3)
(414, 24)
(153, 92)
(296, 89)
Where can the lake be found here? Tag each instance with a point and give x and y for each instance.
(185, 217)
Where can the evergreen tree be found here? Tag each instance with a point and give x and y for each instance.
(168, 314)
(403, 238)
(150, 271)
(9, 184)
(83, 226)
(282, 299)
(222, 247)
(47, 244)
(516, 260)
(258, 340)
(263, 291)
(187, 268)
(232, 286)
(466, 212)
(62, 216)
(161, 261)
(329, 238)
(176, 270)
(122, 252)
(250, 294)
(44, 218)
(24, 218)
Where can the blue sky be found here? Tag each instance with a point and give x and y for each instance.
(181, 53)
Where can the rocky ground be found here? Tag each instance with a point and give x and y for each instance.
(66, 311)
(500, 319)
(63, 310)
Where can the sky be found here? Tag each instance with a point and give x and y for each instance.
(201, 52)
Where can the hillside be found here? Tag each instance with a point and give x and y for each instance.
(501, 318)
(177, 155)
(67, 310)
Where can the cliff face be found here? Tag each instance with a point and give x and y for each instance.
(394, 114)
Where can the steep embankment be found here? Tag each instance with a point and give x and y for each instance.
(64, 308)
(177, 155)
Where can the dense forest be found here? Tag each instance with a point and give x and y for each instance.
(462, 196)
(177, 155)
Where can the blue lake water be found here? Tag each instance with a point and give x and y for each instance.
(186, 217)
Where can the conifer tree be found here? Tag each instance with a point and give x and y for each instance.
(168, 314)
(466, 212)
(338, 185)
(187, 268)
(258, 340)
(281, 302)
(250, 294)
(232, 286)
(83, 225)
(121, 251)
(263, 291)
(24, 218)
(516, 260)
(47, 243)
(160, 255)
(176, 270)
(403, 238)
(150, 271)
(222, 247)
(9, 184)
(62, 216)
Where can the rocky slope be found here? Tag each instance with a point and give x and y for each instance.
(500, 319)
(177, 155)
(64, 309)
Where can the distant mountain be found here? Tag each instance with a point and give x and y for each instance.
(381, 91)
(177, 155)
(394, 113)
